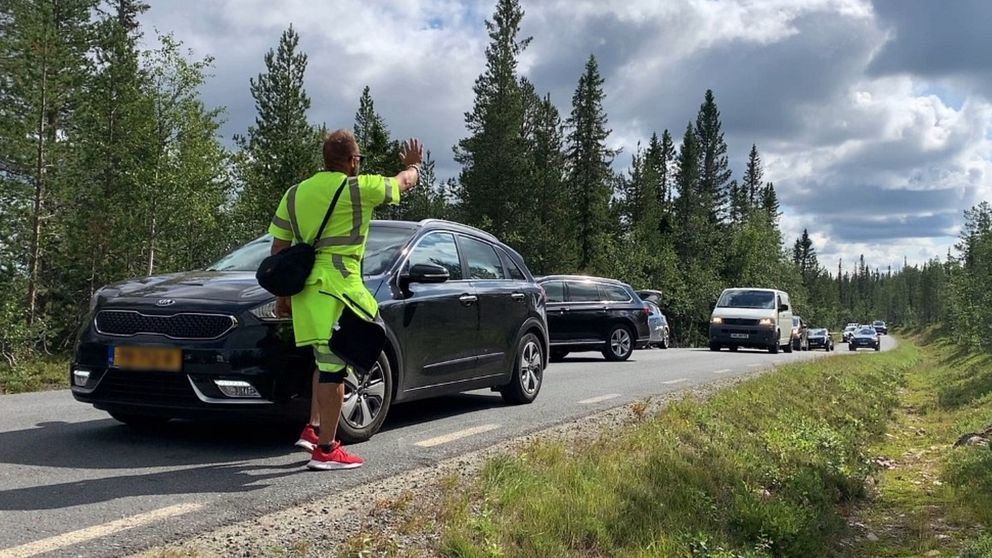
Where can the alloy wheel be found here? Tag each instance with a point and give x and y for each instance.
(531, 367)
(620, 342)
(364, 395)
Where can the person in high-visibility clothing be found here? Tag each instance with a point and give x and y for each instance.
(336, 279)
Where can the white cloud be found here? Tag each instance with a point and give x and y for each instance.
(872, 156)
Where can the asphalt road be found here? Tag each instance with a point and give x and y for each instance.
(75, 482)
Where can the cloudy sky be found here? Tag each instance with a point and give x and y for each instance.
(873, 118)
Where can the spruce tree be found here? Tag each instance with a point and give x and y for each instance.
(551, 247)
(804, 257)
(769, 202)
(382, 154)
(753, 175)
(495, 193)
(279, 150)
(714, 169)
(589, 161)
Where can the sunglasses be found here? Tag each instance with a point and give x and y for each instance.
(361, 158)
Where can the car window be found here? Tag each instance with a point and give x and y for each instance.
(555, 291)
(511, 266)
(583, 291)
(439, 249)
(614, 293)
(482, 260)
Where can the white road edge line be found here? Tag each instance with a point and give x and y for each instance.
(89, 533)
(458, 435)
(723, 371)
(675, 381)
(599, 399)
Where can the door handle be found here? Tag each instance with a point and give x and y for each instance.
(519, 297)
(468, 300)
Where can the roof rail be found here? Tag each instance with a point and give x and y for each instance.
(486, 234)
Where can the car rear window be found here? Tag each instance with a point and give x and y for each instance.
(614, 293)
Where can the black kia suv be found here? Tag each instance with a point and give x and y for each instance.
(461, 312)
(594, 314)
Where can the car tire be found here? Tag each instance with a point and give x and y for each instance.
(878, 347)
(774, 347)
(789, 347)
(528, 372)
(664, 342)
(619, 344)
(734, 348)
(135, 420)
(366, 402)
(714, 347)
(851, 347)
(557, 356)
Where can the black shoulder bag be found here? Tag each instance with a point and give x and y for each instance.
(285, 273)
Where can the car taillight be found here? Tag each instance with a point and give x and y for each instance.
(647, 310)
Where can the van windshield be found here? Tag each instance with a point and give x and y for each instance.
(747, 299)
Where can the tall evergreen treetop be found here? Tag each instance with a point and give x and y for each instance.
(753, 176)
(494, 186)
(714, 168)
(589, 161)
(281, 148)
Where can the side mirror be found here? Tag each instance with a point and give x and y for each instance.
(783, 307)
(425, 273)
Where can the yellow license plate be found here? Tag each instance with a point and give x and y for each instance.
(166, 359)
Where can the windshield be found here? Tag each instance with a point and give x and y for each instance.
(380, 251)
(867, 331)
(747, 299)
(879, 323)
(818, 333)
(850, 328)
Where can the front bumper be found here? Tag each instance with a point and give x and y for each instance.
(819, 342)
(742, 335)
(262, 354)
(863, 343)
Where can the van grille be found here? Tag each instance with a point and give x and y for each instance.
(740, 321)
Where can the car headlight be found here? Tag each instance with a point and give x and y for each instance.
(266, 312)
(716, 320)
(766, 322)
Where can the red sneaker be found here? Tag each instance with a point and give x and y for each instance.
(337, 458)
(308, 439)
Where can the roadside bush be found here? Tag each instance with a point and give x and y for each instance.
(758, 470)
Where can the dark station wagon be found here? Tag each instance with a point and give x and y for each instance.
(461, 312)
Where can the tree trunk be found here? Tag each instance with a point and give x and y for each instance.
(39, 200)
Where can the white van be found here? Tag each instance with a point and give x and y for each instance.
(756, 318)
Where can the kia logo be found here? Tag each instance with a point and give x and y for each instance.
(165, 302)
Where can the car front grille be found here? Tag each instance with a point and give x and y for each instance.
(185, 325)
(145, 387)
(740, 321)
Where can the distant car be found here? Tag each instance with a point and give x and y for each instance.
(800, 334)
(865, 338)
(650, 295)
(880, 327)
(594, 314)
(658, 323)
(849, 331)
(819, 338)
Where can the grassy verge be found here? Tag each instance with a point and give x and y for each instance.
(933, 498)
(34, 374)
(765, 469)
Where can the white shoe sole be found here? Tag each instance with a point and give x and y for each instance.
(305, 445)
(315, 465)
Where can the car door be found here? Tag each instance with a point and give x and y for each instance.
(555, 309)
(587, 311)
(784, 318)
(440, 322)
(496, 303)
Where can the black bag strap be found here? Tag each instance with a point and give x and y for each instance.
(330, 210)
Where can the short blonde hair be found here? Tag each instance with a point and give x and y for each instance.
(339, 147)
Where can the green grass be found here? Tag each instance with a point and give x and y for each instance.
(764, 469)
(935, 498)
(34, 374)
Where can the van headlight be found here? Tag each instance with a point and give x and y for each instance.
(266, 312)
(766, 322)
(716, 320)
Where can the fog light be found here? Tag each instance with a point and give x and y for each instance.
(237, 388)
(80, 377)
